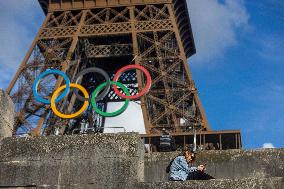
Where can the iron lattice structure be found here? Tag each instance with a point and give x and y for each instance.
(109, 34)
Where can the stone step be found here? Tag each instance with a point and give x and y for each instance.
(117, 161)
(245, 183)
(227, 164)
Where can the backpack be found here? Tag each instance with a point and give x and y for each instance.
(168, 169)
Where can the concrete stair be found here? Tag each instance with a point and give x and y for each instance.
(110, 161)
(245, 183)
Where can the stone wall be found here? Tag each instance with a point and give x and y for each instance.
(117, 161)
(228, 164)
(7, 113)
(99, 161)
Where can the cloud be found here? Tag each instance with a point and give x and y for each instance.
(268, 145)
(19, 21)
(215, 26)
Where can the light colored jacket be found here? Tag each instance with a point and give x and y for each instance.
(180, 169)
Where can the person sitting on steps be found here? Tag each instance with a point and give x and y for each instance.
(181, 169)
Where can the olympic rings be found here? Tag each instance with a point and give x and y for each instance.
(95, 95)
(70, 116)
(96, 70)
(48, 72)
(143, 92)
(112, 114)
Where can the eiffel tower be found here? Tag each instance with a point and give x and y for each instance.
(111, 34)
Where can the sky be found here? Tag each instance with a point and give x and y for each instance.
(238, 68)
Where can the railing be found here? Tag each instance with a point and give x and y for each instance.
(94, 130)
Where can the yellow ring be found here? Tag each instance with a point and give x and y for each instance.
(70, 116)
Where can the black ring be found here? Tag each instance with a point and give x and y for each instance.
(96, 70)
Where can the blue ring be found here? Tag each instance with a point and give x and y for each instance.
(43, 74)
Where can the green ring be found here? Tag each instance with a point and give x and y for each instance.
(112, 114)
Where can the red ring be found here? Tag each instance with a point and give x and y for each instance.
(130, 67)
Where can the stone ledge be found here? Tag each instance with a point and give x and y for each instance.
(7, 113)
(226, 164)
(218, 155)
(7, 107)
(68, 146)
(6, 119)
(110, 160)
(248, 183)
(5, 123)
